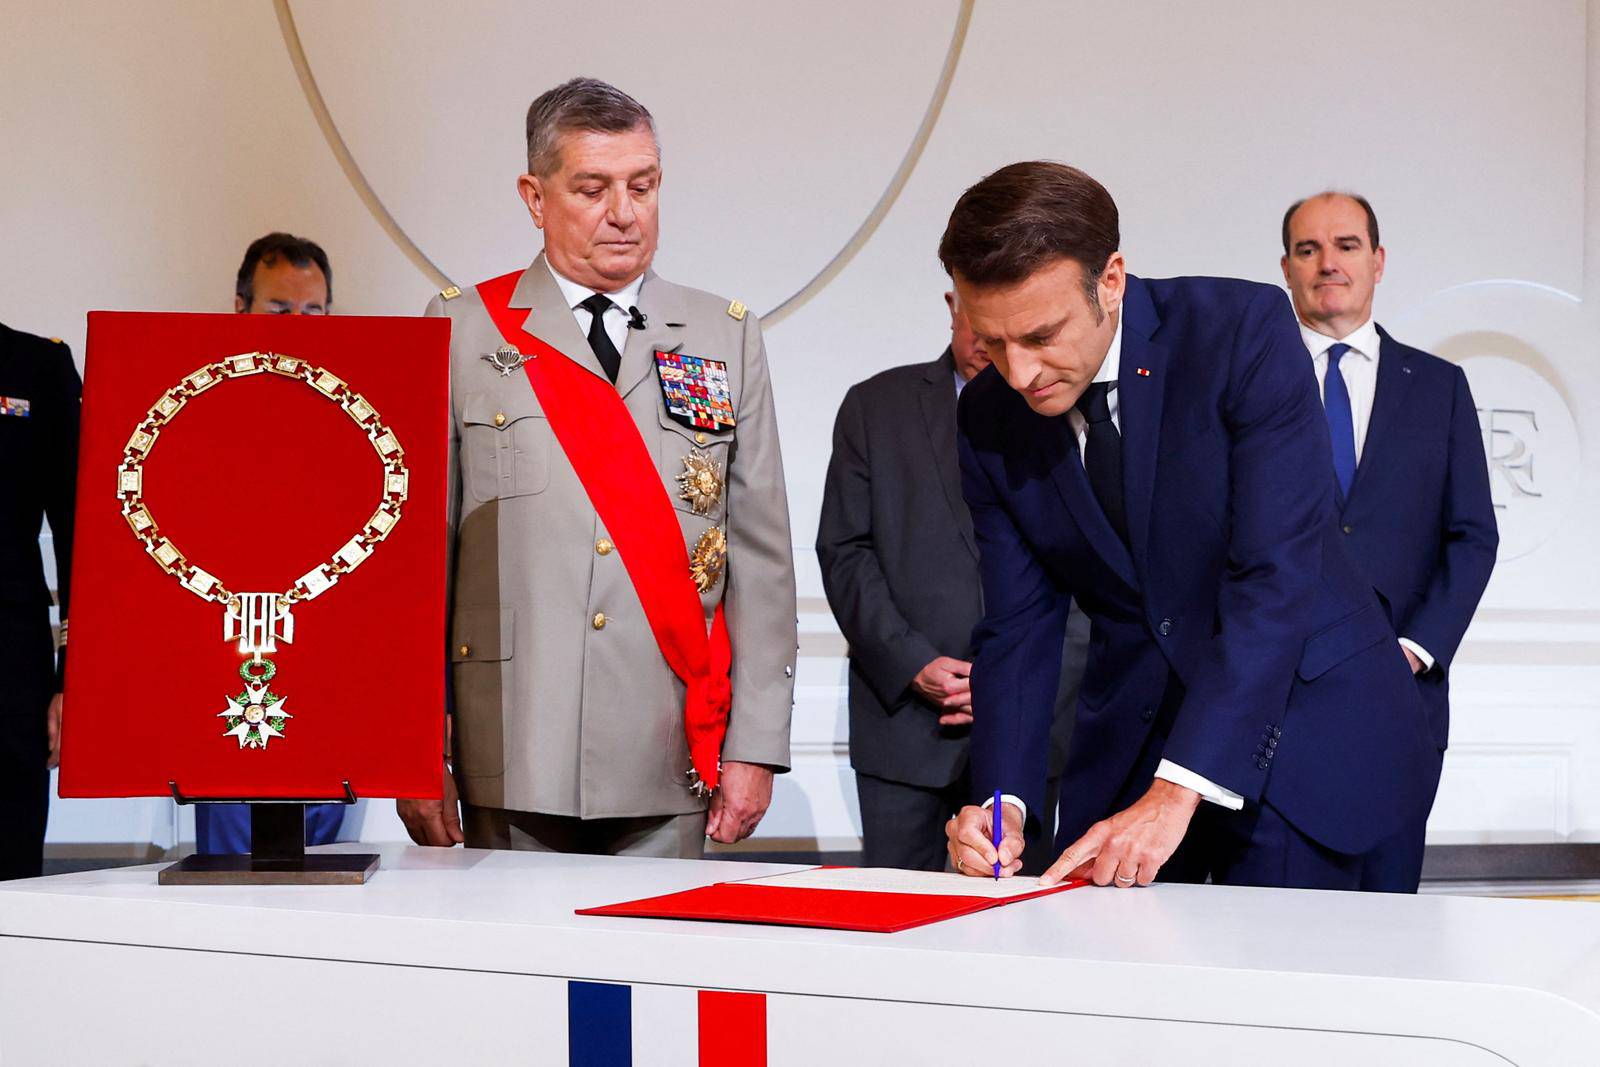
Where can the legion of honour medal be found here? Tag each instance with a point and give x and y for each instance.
(710, 553)
(258, 621)
(700, 481)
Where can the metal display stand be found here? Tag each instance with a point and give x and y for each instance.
(277, 853)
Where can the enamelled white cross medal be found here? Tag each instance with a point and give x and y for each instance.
(258, 621)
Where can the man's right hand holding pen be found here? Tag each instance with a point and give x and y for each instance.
(971, 850)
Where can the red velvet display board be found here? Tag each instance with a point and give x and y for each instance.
(258, 480)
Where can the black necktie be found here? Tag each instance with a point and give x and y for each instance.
(1102, 455)
(599, 340)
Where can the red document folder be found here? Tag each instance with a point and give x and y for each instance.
(761, 902)
(258, 479)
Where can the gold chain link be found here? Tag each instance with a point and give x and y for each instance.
(322, 577)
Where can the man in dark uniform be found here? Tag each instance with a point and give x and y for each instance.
(39, 395)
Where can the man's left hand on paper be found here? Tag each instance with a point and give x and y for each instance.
(1129, 848)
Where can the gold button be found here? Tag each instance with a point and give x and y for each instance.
(700, 438)
(603, 547)
(466, 650)
(499, 418)
(599, 620)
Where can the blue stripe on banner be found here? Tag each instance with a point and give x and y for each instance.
(599, 1025)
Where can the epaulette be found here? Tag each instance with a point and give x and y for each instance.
(450, 293)
(736, 311)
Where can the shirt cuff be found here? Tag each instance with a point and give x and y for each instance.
(1208, 790)
(1007, 798)
(1419, 652)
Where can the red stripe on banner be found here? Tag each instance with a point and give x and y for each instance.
(733, 1029)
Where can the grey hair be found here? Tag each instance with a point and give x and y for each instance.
(581, 104)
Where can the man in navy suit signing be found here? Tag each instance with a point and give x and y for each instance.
(1246, 713)
(1410, 481)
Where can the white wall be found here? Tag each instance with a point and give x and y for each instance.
(147, 143)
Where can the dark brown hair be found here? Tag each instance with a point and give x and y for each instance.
(1372, 217)
(1026, 216)
(299, 251)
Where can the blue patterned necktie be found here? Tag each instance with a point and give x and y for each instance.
(1341, 425)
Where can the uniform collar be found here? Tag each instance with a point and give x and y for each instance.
(575, 294)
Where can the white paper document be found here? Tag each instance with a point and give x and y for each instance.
(890, 880)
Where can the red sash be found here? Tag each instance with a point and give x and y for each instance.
(609, 455)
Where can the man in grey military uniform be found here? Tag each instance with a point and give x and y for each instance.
(568, 723)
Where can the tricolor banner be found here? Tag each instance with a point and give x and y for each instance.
(615, 1025)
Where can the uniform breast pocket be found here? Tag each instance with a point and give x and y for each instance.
(694, 466)
(505, 446)
(17, 439)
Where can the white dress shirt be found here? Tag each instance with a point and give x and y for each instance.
(1167, 770)
(1359, 368)
(616, 314)
(1109, 369)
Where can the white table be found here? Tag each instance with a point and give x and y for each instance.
(464, 957)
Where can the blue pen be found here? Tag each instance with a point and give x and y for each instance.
(997, 834)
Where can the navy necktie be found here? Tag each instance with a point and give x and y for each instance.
(1102, 455)
(600, 341)
(1341, 423)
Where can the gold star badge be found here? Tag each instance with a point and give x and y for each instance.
(701, 482)
(710, 553)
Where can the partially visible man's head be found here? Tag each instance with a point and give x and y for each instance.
(1033, 252)
(1332, 261)
(963, 345)
(283, 275)
(594, 174)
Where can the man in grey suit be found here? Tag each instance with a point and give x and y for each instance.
(569, 719)
(900, 567)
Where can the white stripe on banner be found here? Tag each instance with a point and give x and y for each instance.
(666, 1026)
(542, 1020)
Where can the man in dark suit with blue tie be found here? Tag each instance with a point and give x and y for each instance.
(1142, 447)
(1411, 482)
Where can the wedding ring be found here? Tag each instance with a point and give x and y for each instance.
(1123, 879)
(960, 866)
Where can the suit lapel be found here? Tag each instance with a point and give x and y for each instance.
(1141, 385)
(664, 321)
(1388, 400)
(936, 395)
(550, 319)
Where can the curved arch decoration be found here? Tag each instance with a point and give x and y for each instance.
(391, 226)
(341, 151)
